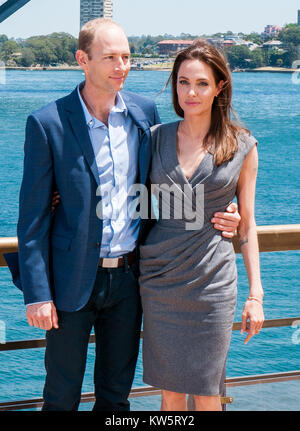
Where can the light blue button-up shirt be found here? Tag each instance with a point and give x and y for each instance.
(116, 151)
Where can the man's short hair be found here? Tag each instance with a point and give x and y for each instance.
(88, 32)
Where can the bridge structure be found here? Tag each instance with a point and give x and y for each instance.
(9, 7)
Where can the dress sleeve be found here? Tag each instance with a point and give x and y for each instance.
(247, 142)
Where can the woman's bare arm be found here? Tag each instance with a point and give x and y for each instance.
(249, 243)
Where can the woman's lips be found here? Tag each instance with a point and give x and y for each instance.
(192, 103)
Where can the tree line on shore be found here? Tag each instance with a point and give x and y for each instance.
(60, 48)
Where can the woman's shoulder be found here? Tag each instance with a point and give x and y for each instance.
(162, 134)
(246, 140)
(159, 129)
(245, 136)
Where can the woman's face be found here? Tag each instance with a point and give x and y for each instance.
(196, 87)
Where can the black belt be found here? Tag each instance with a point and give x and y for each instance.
(116, 262)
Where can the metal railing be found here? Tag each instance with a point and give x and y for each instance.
(89, 397)
(270, 238)
(148, 390)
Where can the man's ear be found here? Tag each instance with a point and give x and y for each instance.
(82, 58)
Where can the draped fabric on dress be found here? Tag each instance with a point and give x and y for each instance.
(188, 277)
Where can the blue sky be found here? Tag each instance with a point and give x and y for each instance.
(156, 16)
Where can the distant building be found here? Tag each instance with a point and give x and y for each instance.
(237, 40)
(298, 16)
(228, 42)
(215, 41)
(169, 47)
(271, 31)
(233, 37)
(91, 9)
(251, 45)
(272, 44)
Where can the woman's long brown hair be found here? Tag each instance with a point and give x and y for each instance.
(223, 131)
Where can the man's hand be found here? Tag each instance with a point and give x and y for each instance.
(42, 316)
(227, 222)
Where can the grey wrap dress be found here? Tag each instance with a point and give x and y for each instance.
(188, 278)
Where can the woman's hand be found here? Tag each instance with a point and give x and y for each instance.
(253, 311)
(55, 200)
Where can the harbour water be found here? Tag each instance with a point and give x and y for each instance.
(269, 105)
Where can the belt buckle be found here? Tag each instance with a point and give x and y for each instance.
(110, 262)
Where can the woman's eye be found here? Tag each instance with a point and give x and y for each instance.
(203, 84)
(183, 82)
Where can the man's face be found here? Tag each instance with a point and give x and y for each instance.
(107, 66)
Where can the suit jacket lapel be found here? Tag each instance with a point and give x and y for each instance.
(80, 129)
(143, 125)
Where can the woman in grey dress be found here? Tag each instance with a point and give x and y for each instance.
(188, 276)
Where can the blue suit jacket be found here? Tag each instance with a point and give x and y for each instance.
(58, 252)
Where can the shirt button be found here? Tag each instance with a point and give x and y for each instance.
(97, 244)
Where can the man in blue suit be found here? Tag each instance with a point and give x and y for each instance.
(79, 270)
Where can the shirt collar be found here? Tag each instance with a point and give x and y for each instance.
(120, 105)
(93, 122)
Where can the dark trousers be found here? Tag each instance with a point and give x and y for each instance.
(114, 310)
